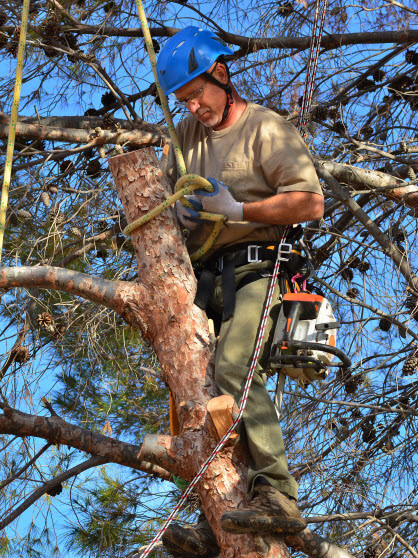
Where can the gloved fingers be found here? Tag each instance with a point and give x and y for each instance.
(217, 184)
(195, 201)
(188, 217)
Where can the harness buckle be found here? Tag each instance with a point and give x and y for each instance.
(253, 257)
(220, 263)
(285, 249)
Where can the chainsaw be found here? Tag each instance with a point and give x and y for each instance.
(304, 341)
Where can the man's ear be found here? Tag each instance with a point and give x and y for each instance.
(221, 73)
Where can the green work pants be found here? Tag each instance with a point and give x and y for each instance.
(234, 353)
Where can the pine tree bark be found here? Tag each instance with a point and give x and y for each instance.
(179, 333)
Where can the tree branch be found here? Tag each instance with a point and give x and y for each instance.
(74, 471)
(57, 431)
(112, 294)
(342, 193)
(355, 177)
(82, 130)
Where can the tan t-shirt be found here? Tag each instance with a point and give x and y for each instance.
(262, 154)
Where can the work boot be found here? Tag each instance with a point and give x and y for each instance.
(191, 542)
(269, 511)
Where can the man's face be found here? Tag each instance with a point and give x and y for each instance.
(205, 100)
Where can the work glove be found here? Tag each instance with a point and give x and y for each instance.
(220, 201)
(188, 217)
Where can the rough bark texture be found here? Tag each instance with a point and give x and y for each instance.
(179, 332)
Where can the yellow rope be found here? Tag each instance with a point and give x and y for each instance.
(13, 122)
(191, 181)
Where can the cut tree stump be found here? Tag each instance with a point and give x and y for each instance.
(221, 409)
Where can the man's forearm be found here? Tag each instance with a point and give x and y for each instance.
(285, 209)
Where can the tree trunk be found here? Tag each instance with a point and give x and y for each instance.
(179, 333)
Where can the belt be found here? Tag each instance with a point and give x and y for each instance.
(224, 263)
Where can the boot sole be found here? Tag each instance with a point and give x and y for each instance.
(179, 540)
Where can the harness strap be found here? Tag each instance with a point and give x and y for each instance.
(226, 261)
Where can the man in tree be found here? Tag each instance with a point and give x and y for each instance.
(263, 179)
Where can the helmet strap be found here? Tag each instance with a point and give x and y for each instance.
(225, 86)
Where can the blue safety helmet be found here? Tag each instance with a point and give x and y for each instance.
(186, 55)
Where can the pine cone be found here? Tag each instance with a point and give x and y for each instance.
(66, 166)
(3, 17)
(3, 41)
(21, 355)
(371, 552)
(343, 15)
(108, 121)
(411, 304)
(369, 433)
(285, 9)
(356, 413)
(102, 252)
(50, 28)
(388, 446)
(12, 47)
(156, 46)
(75, 231)
(109, 6)
(365, 84)
(331, 423)
(52, 187)
(108, 99)
(410, 366)
(55, 490)
(347, 274)
(23, 214)
(353, 262)
(45, 199)
(92, 112)
(319, 113)
(93, 168)
(366, 131)
(70, 39)
(378, 75)
(411, 57)
(320, 256)
(335, 10)
(363, 266)
(339, 127)
(353, 292)
(311, 129)
(59, 331)
(44, 319)
(384, 324)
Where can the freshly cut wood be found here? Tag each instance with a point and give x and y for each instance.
(221, 409)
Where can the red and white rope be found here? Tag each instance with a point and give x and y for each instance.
(307, 98)
(312, 64)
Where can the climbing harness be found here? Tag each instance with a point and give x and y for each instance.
(13, 121)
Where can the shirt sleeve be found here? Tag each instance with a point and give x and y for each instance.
(285, 159)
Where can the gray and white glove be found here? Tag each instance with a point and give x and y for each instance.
(188, 217)
(220, 201)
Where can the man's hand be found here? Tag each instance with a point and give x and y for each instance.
(188, 217)
(220, 201)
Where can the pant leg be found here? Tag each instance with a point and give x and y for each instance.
(234, 353)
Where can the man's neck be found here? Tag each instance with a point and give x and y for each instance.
(235, 112)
